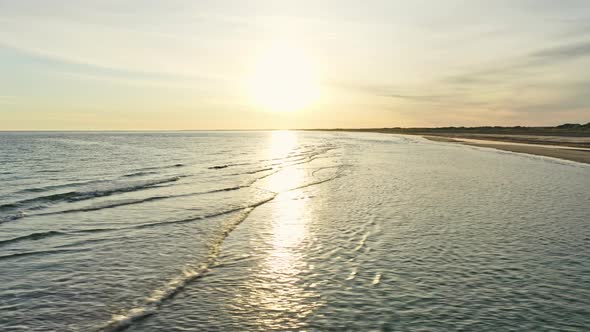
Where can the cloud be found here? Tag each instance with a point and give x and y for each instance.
(549, 82)
(564, 52)
(515, 68)
(73, 67)
(422, 98)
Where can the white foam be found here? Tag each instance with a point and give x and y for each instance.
(377, 279)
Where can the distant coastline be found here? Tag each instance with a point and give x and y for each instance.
(567, 141)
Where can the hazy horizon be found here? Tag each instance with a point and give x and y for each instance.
(263, 129)
(231, 65)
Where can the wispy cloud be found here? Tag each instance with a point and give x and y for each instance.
(540, 84)
(422, 98)
(469, 60)
(70, 67)
(564, 52)
(514, 68)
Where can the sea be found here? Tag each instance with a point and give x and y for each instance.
(288, 231)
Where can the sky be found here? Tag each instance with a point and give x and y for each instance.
(181, 65)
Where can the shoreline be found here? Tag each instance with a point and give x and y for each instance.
(560, 145)
(555, 149)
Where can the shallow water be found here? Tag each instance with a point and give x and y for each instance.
(192, 231)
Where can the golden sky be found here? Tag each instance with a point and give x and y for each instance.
(138, 65)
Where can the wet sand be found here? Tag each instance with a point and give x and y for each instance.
(549, 142)
(546, 146)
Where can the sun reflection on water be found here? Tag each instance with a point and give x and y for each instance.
(282, 299)
(282, 142)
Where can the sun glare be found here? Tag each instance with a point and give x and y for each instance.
(284, 80)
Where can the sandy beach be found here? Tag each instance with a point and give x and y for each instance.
(568, 148)
(567, 144)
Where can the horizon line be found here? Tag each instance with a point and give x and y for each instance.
(268, 129)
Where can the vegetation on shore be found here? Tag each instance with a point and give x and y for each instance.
(568, 129)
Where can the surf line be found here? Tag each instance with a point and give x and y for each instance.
(152, 303)
(122, 321)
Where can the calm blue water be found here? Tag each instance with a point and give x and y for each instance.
(258, 231)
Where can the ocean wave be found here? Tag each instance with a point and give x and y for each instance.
(54, 187)
(287, 160)
(259, 170)
(89, 241)
(142, 173)
(42, 252)
(41, 202)
(223, 189)
(218, 167)
(32, 236)
(109, 205)
(121, 321)
(114, 204)
(188, 220)
(9, 206)
(247, 208)
(160, 167)
(95, 230)
(74, 196)
(43, 235)
(254, 171)
(152, 303)
(12, 217)
(228, 165)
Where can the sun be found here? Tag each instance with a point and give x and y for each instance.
(284, 80)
